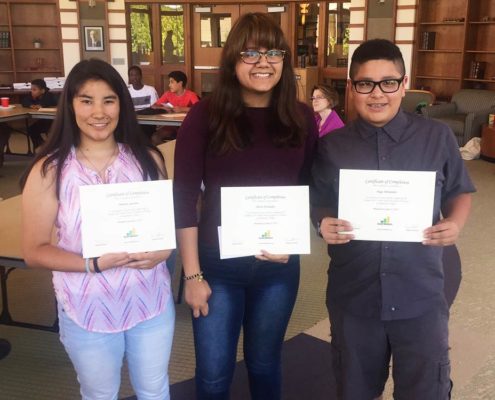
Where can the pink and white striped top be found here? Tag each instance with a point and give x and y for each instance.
(118, 298)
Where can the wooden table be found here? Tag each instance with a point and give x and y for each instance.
(11, 259)
(488, 143)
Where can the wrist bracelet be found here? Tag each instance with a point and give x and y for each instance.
(95, 265)
(198, 277)
(86, 265)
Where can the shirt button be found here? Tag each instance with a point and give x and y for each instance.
(386, 247)
(392, 308)
(384, 274)
(383, 158)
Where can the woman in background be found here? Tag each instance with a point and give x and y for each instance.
(118, 304)
(324, 99)
(252, 131)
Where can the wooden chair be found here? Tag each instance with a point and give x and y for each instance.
(168, 150)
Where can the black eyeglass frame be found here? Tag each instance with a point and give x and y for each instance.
(379, 84)
(260, 54)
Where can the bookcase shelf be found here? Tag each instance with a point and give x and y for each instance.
(23, 21)
(443, 67)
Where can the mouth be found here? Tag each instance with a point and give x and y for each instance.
(261, 75)
(99, 125)
(377, 106)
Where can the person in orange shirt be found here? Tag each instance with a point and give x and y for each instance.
(177, 98)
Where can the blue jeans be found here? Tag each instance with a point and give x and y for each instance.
(257, 295)
(97, 357)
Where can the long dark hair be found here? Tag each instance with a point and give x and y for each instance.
(64, 132)
(229, 129)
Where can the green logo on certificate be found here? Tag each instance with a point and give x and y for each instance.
(131, 234)
(266, 235)
(385, 221)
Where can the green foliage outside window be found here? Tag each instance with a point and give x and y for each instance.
(172, 20)
(141, 29)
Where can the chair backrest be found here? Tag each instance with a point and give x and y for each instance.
(416, 98)
(473, 100)
(168, 151)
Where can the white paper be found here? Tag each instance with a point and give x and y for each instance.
(387, 205)
(271, 218)
(131, 217)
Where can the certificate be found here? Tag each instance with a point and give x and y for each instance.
(127, 217)
(387, 205)
(271, 218)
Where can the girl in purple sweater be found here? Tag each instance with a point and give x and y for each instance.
(250, 132)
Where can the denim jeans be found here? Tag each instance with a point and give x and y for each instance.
(259, 297)
(97, 357)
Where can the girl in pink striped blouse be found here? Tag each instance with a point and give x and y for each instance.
(119, 304)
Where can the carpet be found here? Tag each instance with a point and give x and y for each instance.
(306, 374)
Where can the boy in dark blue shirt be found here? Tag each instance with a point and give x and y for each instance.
(386, 299)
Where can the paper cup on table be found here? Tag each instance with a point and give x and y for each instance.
(5, 101)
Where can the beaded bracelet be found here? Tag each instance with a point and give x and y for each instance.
(198, 276)
(86, 265)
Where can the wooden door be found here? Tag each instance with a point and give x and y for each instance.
(211, 26)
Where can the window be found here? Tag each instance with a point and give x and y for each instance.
(172, 33)
(338, 34)
(307, 34)
(214, 29)
(141, 37)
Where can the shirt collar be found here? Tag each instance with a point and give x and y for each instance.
(394, 128)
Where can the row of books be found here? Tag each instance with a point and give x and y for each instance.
(477, 69)
(4, 39)
(428, 42)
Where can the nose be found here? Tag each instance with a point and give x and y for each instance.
(98, 111)
(263, 59)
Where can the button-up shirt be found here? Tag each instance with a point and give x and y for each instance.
(390, 280)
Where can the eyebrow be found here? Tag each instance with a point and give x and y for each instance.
(86, 96)
(385, 78)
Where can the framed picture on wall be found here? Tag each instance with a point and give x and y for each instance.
(93, 38)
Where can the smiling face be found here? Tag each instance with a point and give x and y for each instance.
(96, 107)
(378, 108)
(258, 80)
(135, 78)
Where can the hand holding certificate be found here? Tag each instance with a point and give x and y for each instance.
(127, 217)
(387, 205)
(272, 218)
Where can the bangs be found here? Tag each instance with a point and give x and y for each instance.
(259, 31)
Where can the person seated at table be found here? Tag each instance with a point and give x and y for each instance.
(40, 97)
(177, 99)
(143, 96)
(324, 99)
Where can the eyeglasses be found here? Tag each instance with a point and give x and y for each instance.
(273, 56)
(317, 98)
(386, 86)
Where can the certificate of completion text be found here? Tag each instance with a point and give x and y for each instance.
(271, 218)
(127, 217)
(387, 205)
